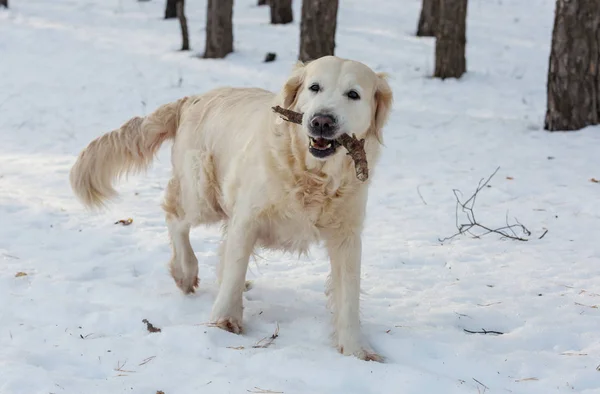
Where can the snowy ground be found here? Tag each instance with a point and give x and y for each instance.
(73, 69)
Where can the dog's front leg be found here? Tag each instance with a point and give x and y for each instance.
(345, 256)
(227, 309)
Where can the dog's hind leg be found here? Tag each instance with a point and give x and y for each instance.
(184, 264)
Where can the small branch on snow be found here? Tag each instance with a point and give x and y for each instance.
(267, 341)
(263, 391)
(467, 208)
(419, 192)
(120, 366)
(147, 360)
(491, 303)
(483, 385)
(483, 331)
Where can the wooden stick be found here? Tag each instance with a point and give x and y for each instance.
(354, 146)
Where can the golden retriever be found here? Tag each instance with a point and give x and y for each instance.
(271, 183)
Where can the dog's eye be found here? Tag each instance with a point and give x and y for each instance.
(315, 87)
(353, 95)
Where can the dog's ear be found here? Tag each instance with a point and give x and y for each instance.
(293, 84)
(383, 105)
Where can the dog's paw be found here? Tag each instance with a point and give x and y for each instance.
(230, 324)
(187, 285)
(361, 353)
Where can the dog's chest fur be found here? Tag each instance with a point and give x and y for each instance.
(296, 223)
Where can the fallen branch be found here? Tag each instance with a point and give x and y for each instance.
(354, 146)
(150, 327)
(467, 208)
(483, 331)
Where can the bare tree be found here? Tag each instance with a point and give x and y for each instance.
(317, 28)
(281, 11)
(219, 28)
(573, 92)
(171, 9)
(185, 37)
(428, 20)
(450, 61)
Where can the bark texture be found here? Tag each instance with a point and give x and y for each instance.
(281, 11)
(428, 21)
(317, 29)
(171, 9)
(219, 28)
(185, 37)
(450, 60)
(573, 92)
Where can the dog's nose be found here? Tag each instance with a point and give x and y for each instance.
(323, 125)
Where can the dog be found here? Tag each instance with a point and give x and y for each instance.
(270, 183)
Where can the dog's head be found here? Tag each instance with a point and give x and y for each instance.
(337, 96)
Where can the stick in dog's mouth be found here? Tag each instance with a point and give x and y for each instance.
(354, 146)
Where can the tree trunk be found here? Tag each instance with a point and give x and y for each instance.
(428, 21)
(219, 28)
(171, 9)
(185, 38)
(281, 11)
(262, 2)
(573, 92)
(317, 29)
(450, 61)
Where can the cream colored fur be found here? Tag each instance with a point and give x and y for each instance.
(237, 163)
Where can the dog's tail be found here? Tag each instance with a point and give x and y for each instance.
(129, 149)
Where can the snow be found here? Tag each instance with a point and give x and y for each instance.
(72, 70)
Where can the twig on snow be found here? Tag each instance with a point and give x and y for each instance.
(267, 341)
(483, 385)
(263, 391)
(120, 366)
(467, 208)
(587, 306)
(420, 195)
(491, 303)
(526, 379)
(483, 331)
(147, 360)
